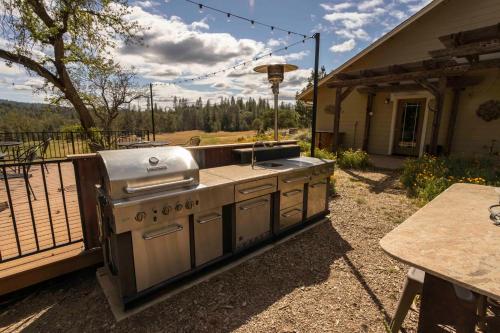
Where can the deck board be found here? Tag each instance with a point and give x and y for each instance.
(40, 211)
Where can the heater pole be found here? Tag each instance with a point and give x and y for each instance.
(276, 93)
(315, 93)
(152, 111)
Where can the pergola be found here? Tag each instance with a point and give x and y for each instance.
(446, 68)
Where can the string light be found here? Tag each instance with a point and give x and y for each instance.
(252, 21)
(234, 67)
(228, 17)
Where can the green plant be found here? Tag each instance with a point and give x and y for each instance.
(353, 159)
(428, 176)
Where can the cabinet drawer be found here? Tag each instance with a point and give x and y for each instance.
(254, 189)
(291, 216)
(208, 235)
(291, 196)
(293, 179)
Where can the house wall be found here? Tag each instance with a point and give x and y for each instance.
(414, 41)
(472, 132)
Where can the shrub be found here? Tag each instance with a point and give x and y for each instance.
(428, 176)
(353, 159)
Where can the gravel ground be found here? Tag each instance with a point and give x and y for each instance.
(332, 278)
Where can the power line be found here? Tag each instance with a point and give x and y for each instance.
(251, 21)
(235, 66)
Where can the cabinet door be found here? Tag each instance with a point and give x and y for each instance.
(253, 220)
(208, 235)
(161, 253)
(290, 216)
(316, 197)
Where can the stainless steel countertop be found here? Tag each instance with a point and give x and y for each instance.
(237, 173)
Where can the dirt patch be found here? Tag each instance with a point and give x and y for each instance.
(332, 278)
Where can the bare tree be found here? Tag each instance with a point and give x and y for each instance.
(56, 38)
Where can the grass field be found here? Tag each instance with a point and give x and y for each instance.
(180, 138)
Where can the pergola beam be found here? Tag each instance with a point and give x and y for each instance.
(454, 70)
(468, 50)
(471, 36)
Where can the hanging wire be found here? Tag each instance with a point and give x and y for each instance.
(234, 66)
(251, 21)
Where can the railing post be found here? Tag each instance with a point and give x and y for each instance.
(73, 142)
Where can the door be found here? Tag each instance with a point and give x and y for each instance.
(161, 253)
(253, 221)
(208, 235)
(408, 131)
(316, 196)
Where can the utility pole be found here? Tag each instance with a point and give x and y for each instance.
(315, 93)
(152, 110)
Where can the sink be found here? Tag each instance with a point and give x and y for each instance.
(269, 164)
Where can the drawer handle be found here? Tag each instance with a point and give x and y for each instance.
(209, 218)
(162, 232)
(165, 186)
(296, 179)
(292, 193)
(254, 204)
(257, 189)
(318, 184)
(292, 212)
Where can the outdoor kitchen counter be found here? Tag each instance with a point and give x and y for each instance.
(243, 172)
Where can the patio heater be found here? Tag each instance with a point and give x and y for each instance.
(275, 75)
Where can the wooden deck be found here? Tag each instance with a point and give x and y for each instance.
(34, 223)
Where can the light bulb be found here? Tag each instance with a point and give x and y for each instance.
(253, 23)
(201, 8)
(272, 30)
(228, 17)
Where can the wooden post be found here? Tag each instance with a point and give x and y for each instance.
(369, 109)
(453, 120)
(336, 120)
(315, 93)
(438, 113)
(339, 97)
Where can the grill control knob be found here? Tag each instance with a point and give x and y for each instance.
(189, 204)
(166, 210)
(139, 217)
(178, 207)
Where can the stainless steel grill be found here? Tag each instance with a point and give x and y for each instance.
(132, 173)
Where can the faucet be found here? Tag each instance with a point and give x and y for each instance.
(254, 158)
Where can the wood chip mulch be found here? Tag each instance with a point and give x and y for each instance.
(332, 278)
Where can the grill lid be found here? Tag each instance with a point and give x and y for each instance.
(134, 172)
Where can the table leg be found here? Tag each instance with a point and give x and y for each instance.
(440, 306)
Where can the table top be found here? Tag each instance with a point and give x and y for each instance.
(453, 238)
(10, 143)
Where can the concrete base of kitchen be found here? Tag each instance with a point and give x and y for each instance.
(116, 304)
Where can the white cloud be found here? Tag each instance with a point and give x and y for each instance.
(355, 33)
(415, 7)
(369, 4)
(346, 46)
(351, 20)
(400, 15)
(336, 7)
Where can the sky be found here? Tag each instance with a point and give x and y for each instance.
(181, 42)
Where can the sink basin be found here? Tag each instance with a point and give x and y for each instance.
(269, 164)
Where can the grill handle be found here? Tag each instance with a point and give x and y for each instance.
(254, 204)
(256, 189)
(164, 186)
(296, 179)
(162, 232)
(292, 212)
(318, 184)
(292, 193)
(209, 218)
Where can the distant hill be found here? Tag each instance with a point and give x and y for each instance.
(34, 117)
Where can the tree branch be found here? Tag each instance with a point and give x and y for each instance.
(32, 65)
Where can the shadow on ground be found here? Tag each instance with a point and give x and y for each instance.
(76, 303)
(388, 184)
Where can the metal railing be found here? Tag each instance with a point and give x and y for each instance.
(39, 208)
(64, 143)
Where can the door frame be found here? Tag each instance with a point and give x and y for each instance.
(395, 98)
